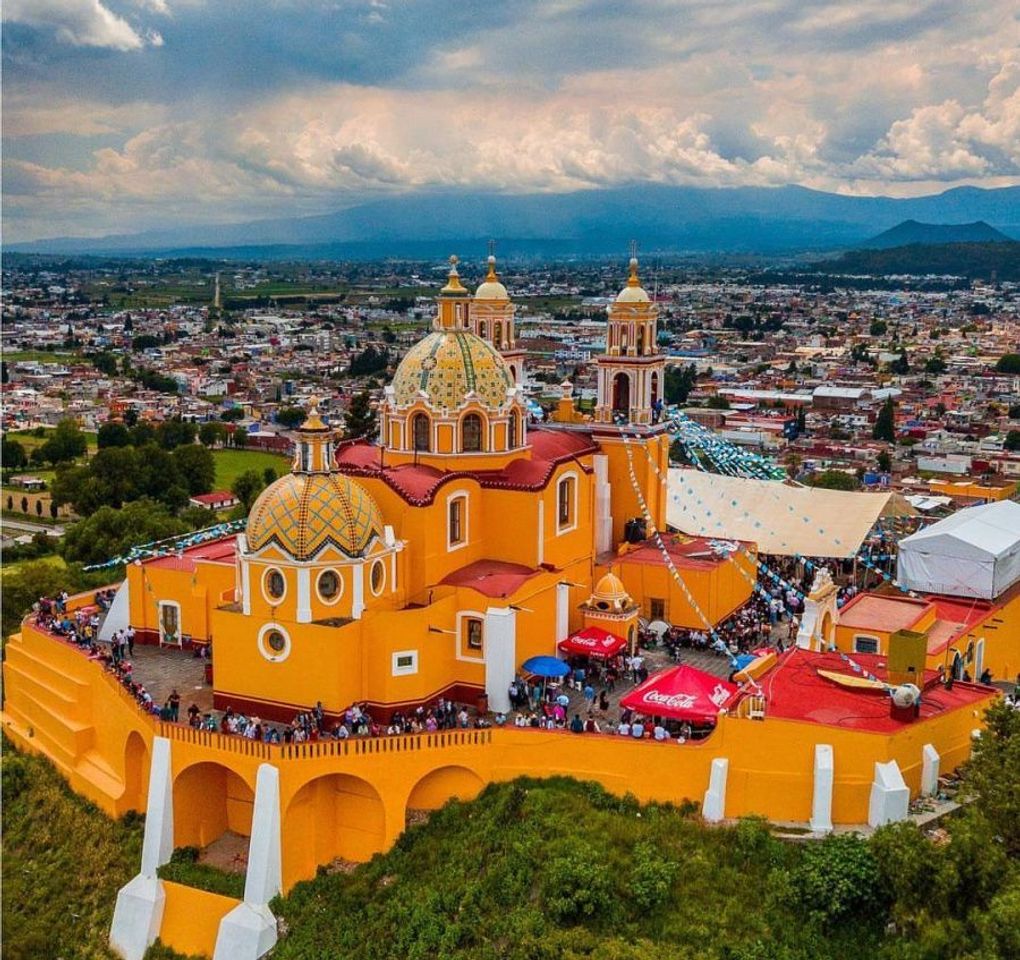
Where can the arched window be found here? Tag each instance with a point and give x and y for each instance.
(497, 335)
(420, 428)
(655, 388)
(483, 329)
(566, 503)
(513, 430)
(471, 433)
(456, 531)
(621, 393)
(641, 341)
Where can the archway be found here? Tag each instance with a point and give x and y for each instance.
(655, 388)
(497, 335)
(621, 393)
(471, 433)
(420, 430)
(483, 329)
(333, 816)
(209, 800)
(435, 788)
(136, 772)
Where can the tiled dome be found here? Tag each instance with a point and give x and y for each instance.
(302, 512)
(448, 365)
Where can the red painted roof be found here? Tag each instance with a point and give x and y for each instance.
(218, 496)
(418, 483)
(887, 613)
(493, 578)
(692, 553)
(794, 691)
(215, 551)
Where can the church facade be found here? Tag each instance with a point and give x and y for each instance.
(464, 540)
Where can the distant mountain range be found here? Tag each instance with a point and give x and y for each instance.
(592, 222)
(911, 232)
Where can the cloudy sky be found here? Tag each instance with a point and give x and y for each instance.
(122, 115)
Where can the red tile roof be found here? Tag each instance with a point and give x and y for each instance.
(418, 483)
(493, 578)
(794, 691)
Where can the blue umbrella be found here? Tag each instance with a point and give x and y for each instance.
(743, 659)
(546, 667)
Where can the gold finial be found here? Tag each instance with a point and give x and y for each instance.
(313, 421)
(632, 280)
(453, 280)
(491, 276)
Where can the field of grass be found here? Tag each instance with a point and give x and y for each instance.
(11, 569)
(230, 464)
(30, 441)
(43, 356)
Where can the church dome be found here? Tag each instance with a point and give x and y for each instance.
(491, 288)
(447, 366)
(610, 587)
(633, 292)
(302, 512)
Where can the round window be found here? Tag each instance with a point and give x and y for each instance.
(329, 585)
(275, 641)
(275, 584)
(377, 577)
(274, 644)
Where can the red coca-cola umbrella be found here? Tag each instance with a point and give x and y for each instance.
(682, 693)
(594, 642)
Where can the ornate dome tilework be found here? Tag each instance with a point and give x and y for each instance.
(301, 513)
(448, 365)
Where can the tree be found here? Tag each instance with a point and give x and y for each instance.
(269, 475)
(878, 328)
(144, 342)
(109, 533)
(247, 487)
(66, 443)
(679, 383)
(105, 362)
(901, 365)
(717, 402)
(1008, 363)
(361, 418)
(834, 480)
(935, 365)
(113, 434)
(884, 461)
(12, 455)
(175, 433)
(1012, 442)
(211, 433)
(290, 417)
(232, 413)
(369, 361)
(142, 434)
(196, 467)
(239, 438)
(885, 423)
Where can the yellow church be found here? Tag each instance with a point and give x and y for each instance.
(436, 560)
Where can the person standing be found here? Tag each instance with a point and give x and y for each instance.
(129, 636)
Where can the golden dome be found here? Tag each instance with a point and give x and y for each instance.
(491, 288)
(633, 292)
(302, 512)
(610, 587)
(448, 365)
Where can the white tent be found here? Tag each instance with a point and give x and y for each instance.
(973, 553)
(782, 519)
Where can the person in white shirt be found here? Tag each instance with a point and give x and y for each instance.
(623, 729)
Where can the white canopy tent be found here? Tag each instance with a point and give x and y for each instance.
(781, 518)
(973, 553)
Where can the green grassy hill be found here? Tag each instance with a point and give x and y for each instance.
(559, 869)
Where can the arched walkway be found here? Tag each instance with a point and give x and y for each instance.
(333, 816)
(435, 788)
(209, 800)
(136, 773)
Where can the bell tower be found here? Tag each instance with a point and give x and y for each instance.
(454, 302)
(492, 318)
(631, 373)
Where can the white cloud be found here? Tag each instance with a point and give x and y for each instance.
(86, 23)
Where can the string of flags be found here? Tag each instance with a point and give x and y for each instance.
(173, 545)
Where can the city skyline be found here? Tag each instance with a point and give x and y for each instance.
(124, 115)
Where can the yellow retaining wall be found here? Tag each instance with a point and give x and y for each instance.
(191, 918)
(351, 799)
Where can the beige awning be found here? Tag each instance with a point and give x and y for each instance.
(781, 518)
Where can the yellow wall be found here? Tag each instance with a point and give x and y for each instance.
(350, 798)
(198, 594)
(191, 918)
(626, 503)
